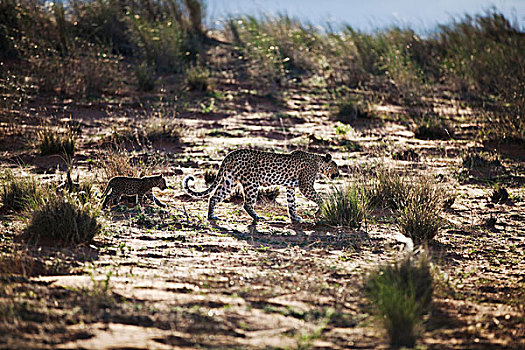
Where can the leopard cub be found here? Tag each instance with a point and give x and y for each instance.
(122, 185)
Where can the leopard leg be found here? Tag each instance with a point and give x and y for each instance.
(250, 197)
(290, 198)
(107, 200)
(140, 199)
(222, 191)
(309, 192)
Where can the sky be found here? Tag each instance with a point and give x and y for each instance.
(367, 15)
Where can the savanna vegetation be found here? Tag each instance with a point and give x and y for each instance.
(418, 244)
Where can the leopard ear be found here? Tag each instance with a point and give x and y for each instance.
(327, 157)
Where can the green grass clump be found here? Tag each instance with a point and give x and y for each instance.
(19, 192)
(420, 221)
(62, 219)
(345, 206)
(401, 294)
(198, 78)
(394, 190)
(52, 143)
(145, 77)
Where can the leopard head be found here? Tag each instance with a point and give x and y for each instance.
(328, 167)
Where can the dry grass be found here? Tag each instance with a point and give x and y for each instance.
(19, 192)
(420, 221)
(394, 190)
(122, 163)
(51, 142)
(63, 220)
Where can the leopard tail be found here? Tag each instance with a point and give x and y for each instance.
(187, 179)
(106, 191)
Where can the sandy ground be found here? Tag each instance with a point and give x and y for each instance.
(175, 281)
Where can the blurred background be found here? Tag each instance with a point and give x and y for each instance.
(365, 15)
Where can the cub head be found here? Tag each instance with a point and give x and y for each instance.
(328, 167)
(161, 182)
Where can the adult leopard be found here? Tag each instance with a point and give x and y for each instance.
(254, 168)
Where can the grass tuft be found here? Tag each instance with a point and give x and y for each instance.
(401, 293)
(477, 160)
(51, 142)
(145, 77)
(19, 192)
(345, 206)
(62, 219)
(420, 220)
(198, 78)
(433, 128)
(162, 129)
(350, 109)
(395, 191)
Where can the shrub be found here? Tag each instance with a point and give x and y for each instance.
(350, 109)
(419, 221)
(19, 192)
(145, 77)
(267, 195)
(477, 160)
(345, 206)
(433, 128)
(209, 176)
(483, 164)
(198, 78)
(62, 219)
(395, 191)
(401, 294)
(121, 163)
(83, 191)
(118, 163)
(262, 55)
(52, 143)
(162, 128)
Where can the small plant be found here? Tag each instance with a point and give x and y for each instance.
(345, 206)
(267, 195)
(19, 192)
(52, 143)
(160, 128)
(406, 155)
(420, 221)
(64, 220)
(395, 191)
(145, 77)
(433, 128)
(344, 130)
(483, 164)
(477, 160)
(209, 176)
(499, 195)
(401, 293)
(198, 78)
(351, 109)
(209, 108)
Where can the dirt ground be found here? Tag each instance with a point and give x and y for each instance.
(168, 279)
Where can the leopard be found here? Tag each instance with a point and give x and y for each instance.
(133, 186)
(254, 169)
